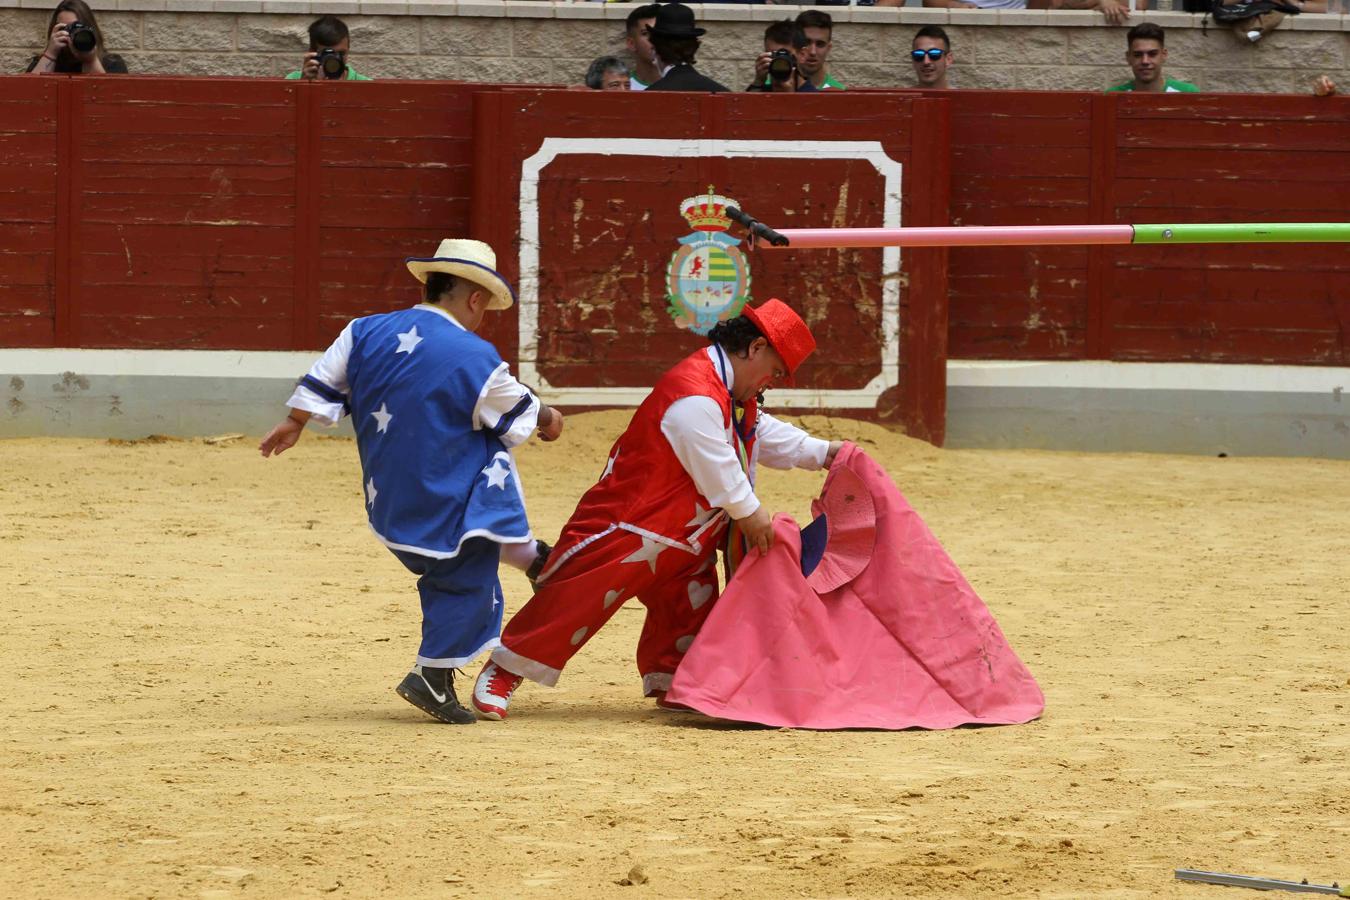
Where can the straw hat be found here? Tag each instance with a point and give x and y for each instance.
(470, 260)
(785, 331)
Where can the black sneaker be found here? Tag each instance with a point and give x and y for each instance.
(433, 692)
(542, 553)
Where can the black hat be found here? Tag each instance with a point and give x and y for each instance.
(675, 20)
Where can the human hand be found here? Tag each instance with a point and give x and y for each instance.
(552, 429)
(310, 68)
(757, 529)
(762, 66)
(57, 41)
(1324, 86)
(281, 438)
(830, 454)
(1114, 11)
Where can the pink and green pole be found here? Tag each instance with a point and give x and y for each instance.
(1044, 235)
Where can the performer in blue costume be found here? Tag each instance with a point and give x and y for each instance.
(436, 413)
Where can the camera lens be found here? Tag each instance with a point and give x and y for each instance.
(781, 65)
(332, 64)
(82, 38)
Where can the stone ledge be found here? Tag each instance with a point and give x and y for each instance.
(583, 10)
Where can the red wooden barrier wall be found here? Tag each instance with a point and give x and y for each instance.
(219, 213)
(1045, 158)
(610, 218)
(261, 214)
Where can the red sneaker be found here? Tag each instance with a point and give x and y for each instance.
(493, 689)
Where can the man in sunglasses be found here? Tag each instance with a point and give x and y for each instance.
(931, 54)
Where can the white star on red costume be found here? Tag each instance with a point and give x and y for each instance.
(408, 341)
(701, 515)
(650, 551)
(609, 466)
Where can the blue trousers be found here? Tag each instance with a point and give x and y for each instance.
(461, 603)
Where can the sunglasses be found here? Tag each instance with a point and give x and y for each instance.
(933, 53)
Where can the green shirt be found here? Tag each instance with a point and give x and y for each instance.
(1171, 84)
(830, 83)
(352, 75)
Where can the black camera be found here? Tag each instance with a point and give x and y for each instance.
(82, 37)
(332, 63)
(782, 63)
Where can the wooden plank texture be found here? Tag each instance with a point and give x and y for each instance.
(203, 212)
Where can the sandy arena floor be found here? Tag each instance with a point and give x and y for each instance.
(201, 649)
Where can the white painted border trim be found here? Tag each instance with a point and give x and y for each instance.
(1138, 376)
(528, 297)
(173, 363)
(961, 373)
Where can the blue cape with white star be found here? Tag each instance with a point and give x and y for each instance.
(431, 479)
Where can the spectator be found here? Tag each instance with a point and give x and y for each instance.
(1324, 86)
(814, 57)
(639, 41)
(608, 73)
(1146, 56)
(1114, 11)
(931, 53)
(783, 41)
(78, 50)
(329, 44)
(675, 40)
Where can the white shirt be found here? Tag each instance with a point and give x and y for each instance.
(693, 426)
(498, 397)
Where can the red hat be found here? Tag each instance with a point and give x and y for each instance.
(785, 331)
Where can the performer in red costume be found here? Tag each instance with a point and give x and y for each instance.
(651, 526)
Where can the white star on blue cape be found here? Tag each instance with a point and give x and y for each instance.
(408, 341)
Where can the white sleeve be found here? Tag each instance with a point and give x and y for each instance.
(323, 391)
(693, 426)
(784, 446)
(507, 408)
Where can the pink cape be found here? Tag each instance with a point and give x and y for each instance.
(885, 632)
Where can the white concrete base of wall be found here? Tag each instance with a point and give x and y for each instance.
(1238, 410)
(134, 393)
(1096, 406)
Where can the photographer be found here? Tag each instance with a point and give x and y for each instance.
(329, 44)
(75, 44)
(778, 68)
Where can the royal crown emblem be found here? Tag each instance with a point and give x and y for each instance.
(708, 278)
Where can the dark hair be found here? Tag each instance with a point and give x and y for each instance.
(734, 335)
(674, 51)
(646, 11)
(83, 15)
(782, 32)
(327, 31)
(814, 18)
(1145, 31)
(936, 33)
(595, 75)
(438, 285)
